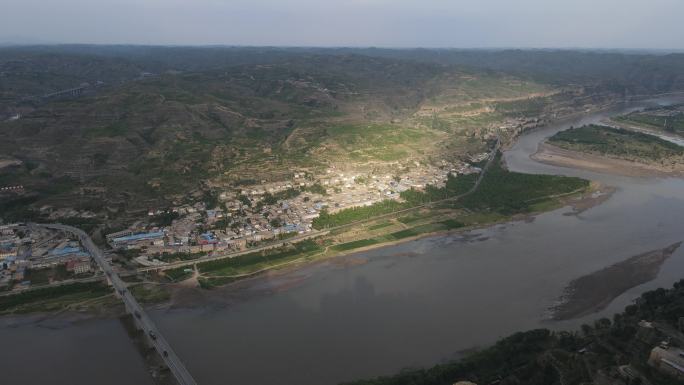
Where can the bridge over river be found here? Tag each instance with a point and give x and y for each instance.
(162, 346)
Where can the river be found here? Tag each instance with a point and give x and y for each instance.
(412, 304)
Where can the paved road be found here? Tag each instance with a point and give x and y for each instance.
(175, 265)
(158, 341)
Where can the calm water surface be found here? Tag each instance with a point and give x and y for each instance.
(413, 304)
(65, 351)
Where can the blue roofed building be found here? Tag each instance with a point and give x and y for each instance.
(63, 251)
(135, 238)
(208, 238)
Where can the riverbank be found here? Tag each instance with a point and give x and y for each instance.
(496, 203)
(468, 291)
(542, 356)
(95, 298)
(189, 294)
(502, 196)
(556, 156)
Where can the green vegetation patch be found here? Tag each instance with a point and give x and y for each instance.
(670, 122)
(85, 224)
(44, 276)
(178, 274)
(407, 233)
(408, 219)
(532, 107)
(380, 225)
(271, 199)
(355, 244)
(214, 282)
(383, 142)
(171, 257)
(252, 262)
(150, 293)
(541, 357)
(511, 193)
(426, 229)
(515, 354)
(355, 214)
(52, 298)
(616, 142)
(397, 235)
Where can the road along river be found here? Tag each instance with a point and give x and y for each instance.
(412, 304)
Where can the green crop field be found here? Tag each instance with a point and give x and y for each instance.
(355, 244)
(258, 260)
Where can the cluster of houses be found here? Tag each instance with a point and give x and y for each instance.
(9, 251)
(518, 125)
(22, 250)
(270, 211)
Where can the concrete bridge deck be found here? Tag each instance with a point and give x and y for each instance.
(162, 346)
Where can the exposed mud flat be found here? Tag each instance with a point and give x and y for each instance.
(598, 194)
(231, 294)
(556, 156)
(592, 293)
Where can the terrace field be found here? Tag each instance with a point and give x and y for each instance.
(143, 142)
(377, 142)
(173, 127)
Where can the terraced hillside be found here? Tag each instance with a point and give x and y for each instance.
(167, 136)
(122, 129)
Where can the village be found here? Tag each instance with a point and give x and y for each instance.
(253, 215)
(239, 219)
(35, 256)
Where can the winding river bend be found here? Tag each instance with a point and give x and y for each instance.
(373, 313)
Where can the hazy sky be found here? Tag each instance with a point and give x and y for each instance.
(387, 23)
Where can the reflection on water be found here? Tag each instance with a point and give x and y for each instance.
(68, 351)
(412, 304)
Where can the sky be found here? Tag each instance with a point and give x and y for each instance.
(652, 24)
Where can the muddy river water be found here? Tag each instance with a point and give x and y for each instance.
(412, 304)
